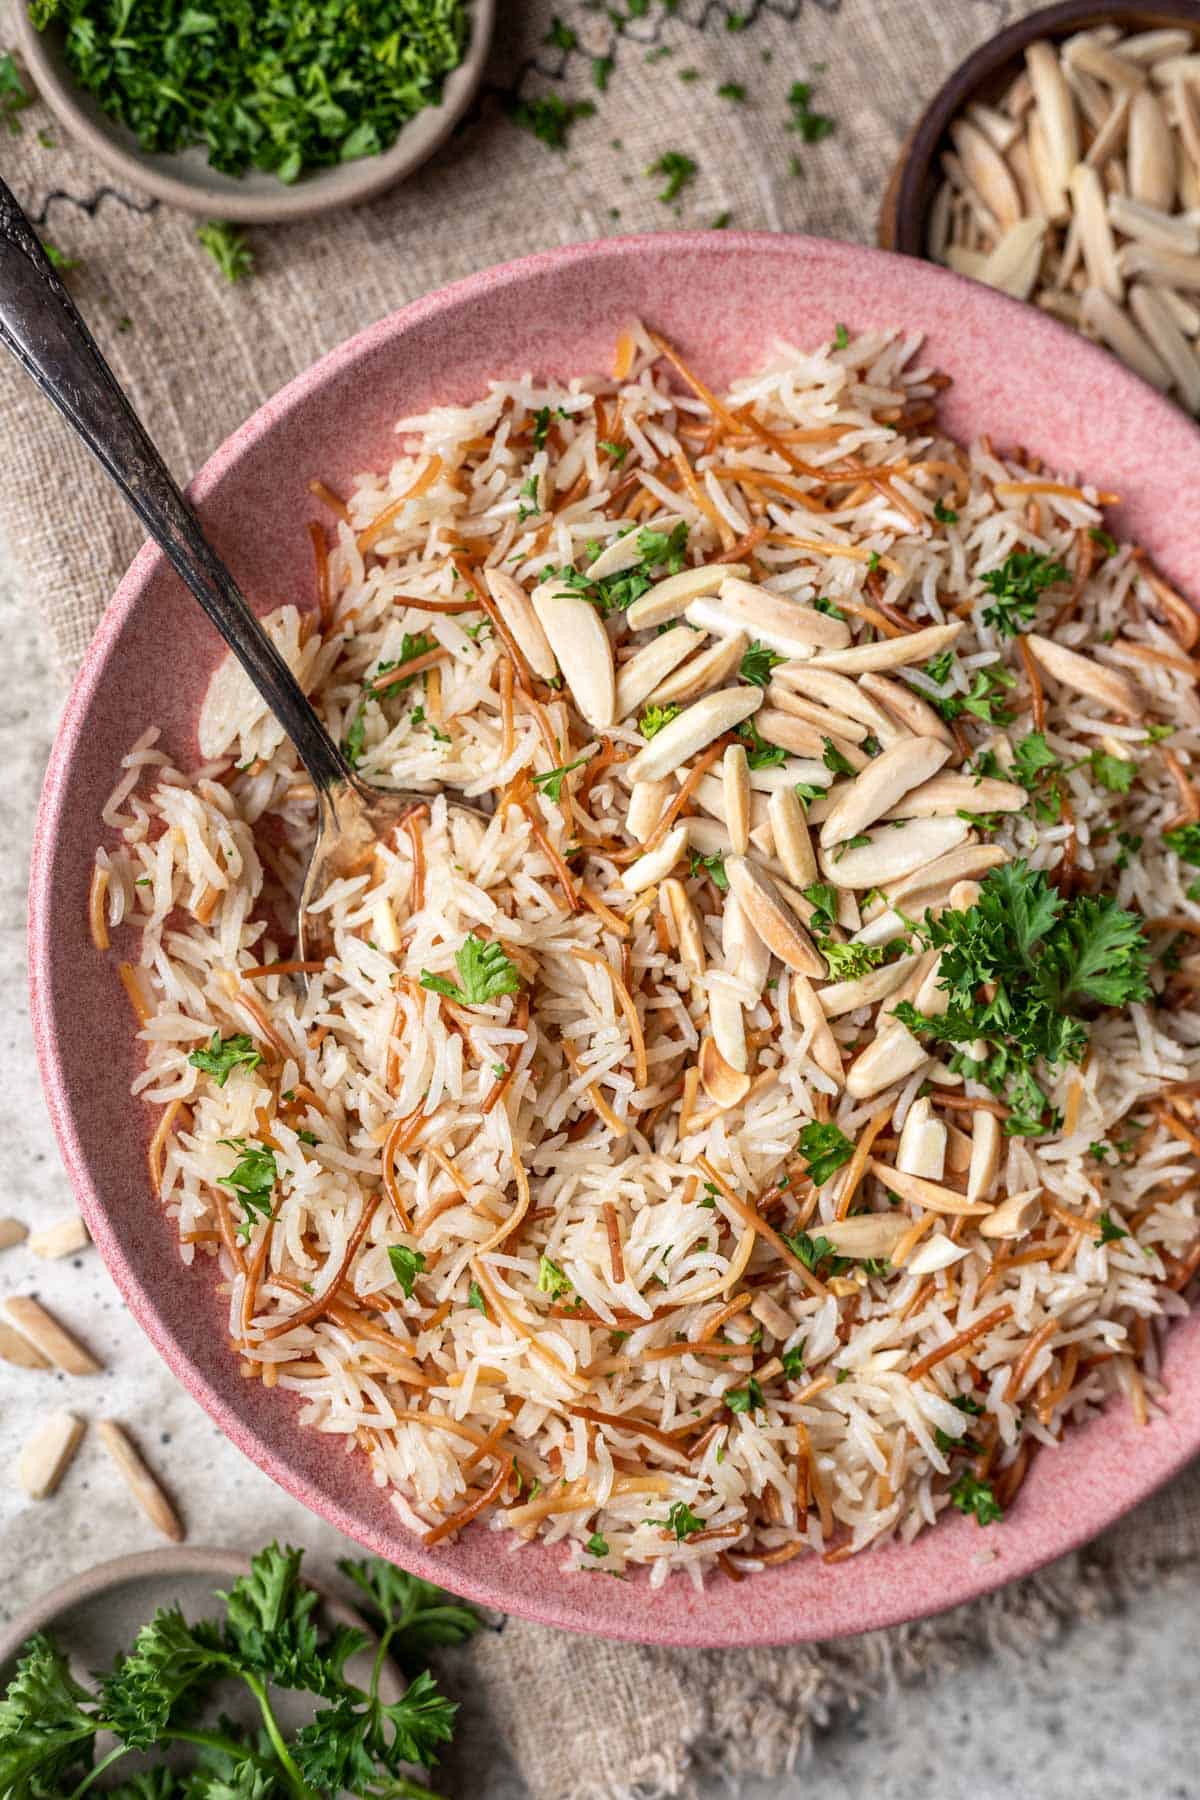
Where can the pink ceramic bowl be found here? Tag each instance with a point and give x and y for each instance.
(722, 298)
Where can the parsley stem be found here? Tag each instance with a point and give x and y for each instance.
(295, 1779)
(104, 1763)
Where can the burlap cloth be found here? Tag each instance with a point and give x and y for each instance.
(583, 1718)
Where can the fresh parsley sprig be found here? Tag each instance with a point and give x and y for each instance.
(484, 970)
(1016, 587)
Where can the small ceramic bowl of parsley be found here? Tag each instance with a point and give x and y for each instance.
(257, 113)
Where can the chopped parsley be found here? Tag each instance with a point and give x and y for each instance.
(596, 1545)
(406, 1266)
(1185, 841)
(410, 649)
(14, 95)
(602, 68)
(1113, 772)
(712, 866)
(814, 1250)
(484, 971)
(793, 1361)
(676, 169)
(227, 246)
(822, 896)
(760, 754)
(252, 1179)
(551, 1279)
(1016, 586)
(943, 514)
(823, 605)
(551, 781)
(983, 702)
(938, 667)
(972, 1496)
(1110, 1231)
(656, 718)
(833, 759)
(560, 36)
(731, 90)
(1106, 544)
(616, 453)
(529, 491)
(475, 1298)
(745, 1399)
(825, 1148)
(841, 337)
(757, 664)
(657, 550)
(224, 1055)
(812, 126)
(549, 117)
(850, 962)
(681, 1520)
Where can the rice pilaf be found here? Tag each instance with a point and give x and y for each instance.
(775, 1125)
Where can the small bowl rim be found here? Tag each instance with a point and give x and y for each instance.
(324, 191)
(903, 210)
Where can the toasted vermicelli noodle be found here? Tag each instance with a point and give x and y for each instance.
(552, 1256)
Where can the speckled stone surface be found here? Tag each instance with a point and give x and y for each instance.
(1105, 1714)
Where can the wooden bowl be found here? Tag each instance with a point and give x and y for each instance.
(984, 76)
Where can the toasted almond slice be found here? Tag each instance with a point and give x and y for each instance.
(638, 678)
(1146, 47)
(621, 554)
(867, 1235)
(950, 793)
(1083, 676)
(891, 1056)
(647, 804)
(64, 1238)
(939, 1252)
(842, 695)
(966, 262)
(1150, 309)
(723, 1085)
(822, 1045)
(802, 739)
(1052, 194)
(1111, 136)
(1161, 268)
(964, 895)
(685, 926)
(905, 704)
(770, 916)
(891, 653)
(916, 979)
(1014, 264)
(725, 1018)
(840, 724)
(578, 639)
(1095, 232)
(745, 954)
(922, 1147)
(735, 792)
(51, 1338)
(868, 797)
(1085, 51)
(892, 852)
(981, 217)
(513, 604)
(987, 171)
(19, 1351)
(657, 864)
(1014, 1217)
(838, 997)
(789, 828)
(957, 865)
(693, 730)
(703, 672)
(768, 1312)
(787, 626)
(47, 1455)
(1187, 117)
(140, 1481)
(1102, 317)
(1187, 318)
(929, 1194)
(1091, 98)
(1055, 111)
(667, 599)
(985, 1155)
(1000, 129)
(1166, 231)
(709, 793)
(1168, 70)
(12, 1232)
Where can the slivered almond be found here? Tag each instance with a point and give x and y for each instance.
(929, 1194)
(822, 1045)
(1085, 51)
(1156, 319)
(908, 706)
(693, 730)
(53, 1340)
(1052, 194)
(515, 609)
(998, 128)
(1161, 268)
(1095, 232)
(47, 1455)
(140, 1482)
(1055, 111)
(745, 954)
(12, 1232)
(1083, 676)
(657, 864)
(1014, 264)
(950, 793)
(793, 844)
(622, 553)
(727, 1022)
(1015, 1216)
(723, 1085)
(987, 171)
(1165, 231)
(667, 599)
(985, 1155)
(939, 1252)
(710, 794)
(802, 739)
(879, 787)
(964, 895)
(638, 678)
(647, 804)
(787, 626)
(1146, 47)
(770, 916)
(19, 1351)
(578, 639)
(768, 1312)
(892, 852)
(685, 926)
(890, 653)
(891, 1056)
(1112, 135)
(922, 1147)
(868, 1235)
(956, 865)
(735, 793)
(789, 700)
(841, 695)
(702, 672)
(64, 1238)
(1105, 319)
(838, 997)
(1150, 155)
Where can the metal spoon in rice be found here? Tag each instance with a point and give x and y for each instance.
(39, 323)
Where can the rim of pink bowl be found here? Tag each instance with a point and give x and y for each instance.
(1109, 1465)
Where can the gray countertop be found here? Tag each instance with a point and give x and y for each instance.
(1106, 1712)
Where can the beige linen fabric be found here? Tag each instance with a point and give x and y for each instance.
(198, 355)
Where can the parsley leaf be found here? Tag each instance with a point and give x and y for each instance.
(596, 1545)
(1110, 1231)
(758, 662)
(252, 1179)
(228, 249)
(484, 971)
(1016, 587)
(414, 1615)
(475, 1298)
(1185, 841)
(793, 1361)
(824, 1147)
(760, 754)
(812, 126)
(841, 337)
(551, 1279)
(1113, 772)
(551, 781)
(849, 962)
(655, 718)
(713, 866)
(549, 117)
(406, 1266)
(983, 701)
(971, 1496)
(676, 168)
(14, 95)
(681, 1520)
(833, 759)
(823, 897)
(814, 1250)
(745, 1399)
(224, 1055)
(943, 514)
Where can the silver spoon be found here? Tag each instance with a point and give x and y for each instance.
(40, 324)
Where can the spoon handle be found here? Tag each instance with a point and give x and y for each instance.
(39, 323)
